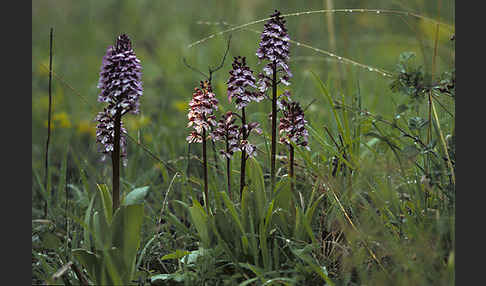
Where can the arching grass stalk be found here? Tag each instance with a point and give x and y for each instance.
(339, 58)
(121, 86)
(371, 11)
(274, 48)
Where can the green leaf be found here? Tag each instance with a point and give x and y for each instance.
(257, 185)
(200, 220)
(174, 221)
(175, 255)
(102, 232)
(127, 227)
(264, 231)
(87, 222)
(402, 108)
(309, 215)
(90, 261)
(192, 256)
(326, 94)
(162, 279)
(50, 240)
(136, 196)
(303, 254)
(410, 152)
(229, 204)
(416, 123)
(106, 202)
(144, 250)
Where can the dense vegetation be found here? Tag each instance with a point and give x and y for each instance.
(320, 149)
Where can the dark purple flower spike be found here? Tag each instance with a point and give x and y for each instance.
(105, 134)
(293, 125)
(226, 130)
(121, 87)
(242, 88)
(241, 79)
(293, 131)
(201, 109)
(120, 78)
(201, 118)
(274, 48)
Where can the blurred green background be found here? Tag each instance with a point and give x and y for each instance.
(161, 32)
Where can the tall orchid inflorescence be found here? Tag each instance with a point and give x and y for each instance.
(201, 112)
(241, 78)
(293, 125)
(120, 78)
(121, 87)
(228, 132)
(293, 131)
(202, 119)
(105, 134)
(274, 48)
(242, 89)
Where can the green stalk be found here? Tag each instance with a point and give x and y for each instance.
(243, 153)
(205, 163)
(274, 124)
(291, 168)
(228, 167)
(115, 160)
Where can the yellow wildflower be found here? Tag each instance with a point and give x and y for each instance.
(87, 127)
(60, 119)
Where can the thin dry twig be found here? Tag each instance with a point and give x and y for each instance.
(46, 178)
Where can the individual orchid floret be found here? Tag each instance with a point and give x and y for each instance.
(201, 109)
(105, 134)
(120, 78)
(241, 78)
(274, 47)
(293, 125)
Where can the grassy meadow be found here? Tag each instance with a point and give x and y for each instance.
(372, 202)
